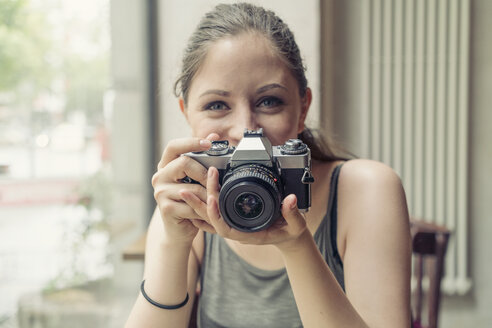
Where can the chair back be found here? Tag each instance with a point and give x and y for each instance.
(429, 244)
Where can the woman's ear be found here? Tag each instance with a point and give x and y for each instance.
(305, 104)
(182, 106)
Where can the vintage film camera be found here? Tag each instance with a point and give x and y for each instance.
(255, 177)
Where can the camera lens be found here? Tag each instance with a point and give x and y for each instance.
(249, 199)
(248, 205)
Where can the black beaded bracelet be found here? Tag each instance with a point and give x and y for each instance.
(162, 306)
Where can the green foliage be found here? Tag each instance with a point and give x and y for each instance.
(95, 192)
(35, 52)
(24, 45)
(95, 197)
(88, 79)
(9, 15)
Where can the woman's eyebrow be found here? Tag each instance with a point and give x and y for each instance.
(222, 93)
(269, 87)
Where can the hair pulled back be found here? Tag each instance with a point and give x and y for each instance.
(228, 20)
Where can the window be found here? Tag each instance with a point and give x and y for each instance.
(55, 167)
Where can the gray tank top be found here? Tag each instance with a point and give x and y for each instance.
(234, 293)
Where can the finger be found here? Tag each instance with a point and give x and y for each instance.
(185, 166)
(213, 212)
(213, 186)
(195, 203)
(177, 147)
(177, 210)
(214, 217)
(291, 214)
(280, 222)
(203, 226)
(172, 191)
(213, 137)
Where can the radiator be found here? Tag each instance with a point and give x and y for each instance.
(414, 75)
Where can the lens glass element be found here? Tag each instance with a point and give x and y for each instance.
(248, 205)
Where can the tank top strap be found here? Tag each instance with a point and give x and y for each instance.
(333, 211)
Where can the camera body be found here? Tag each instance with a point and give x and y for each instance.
(255, 177)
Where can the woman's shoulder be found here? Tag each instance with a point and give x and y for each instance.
(360, 172)
(370, 198)
(366, 173)
(371, 185)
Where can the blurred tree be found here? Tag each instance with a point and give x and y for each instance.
(87, 80)
(38, 56)
(24, 45)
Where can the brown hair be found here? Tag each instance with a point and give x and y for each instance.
(227, 20)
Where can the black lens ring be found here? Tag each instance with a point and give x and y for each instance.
(231, 216)
(249, 194)
(250, 177)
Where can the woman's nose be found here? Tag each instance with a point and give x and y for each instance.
(245, 118)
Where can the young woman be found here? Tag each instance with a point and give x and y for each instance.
(345, 263)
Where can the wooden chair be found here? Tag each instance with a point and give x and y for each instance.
(429, 243)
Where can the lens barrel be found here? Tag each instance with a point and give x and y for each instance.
(250, 197)
(248, 205)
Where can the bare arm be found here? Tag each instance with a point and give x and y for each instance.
(170, 271)
(374, 243)
(320, 299)
(377, 247)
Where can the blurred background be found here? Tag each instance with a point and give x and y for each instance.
(86, 107)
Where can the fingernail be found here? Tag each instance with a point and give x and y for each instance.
(205, 143)
(210, 172)
(294, 204)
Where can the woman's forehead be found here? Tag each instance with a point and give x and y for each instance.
(241, 60)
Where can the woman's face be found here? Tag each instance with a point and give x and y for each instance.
(242, 84)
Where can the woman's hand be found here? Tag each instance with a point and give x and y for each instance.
(181, 222)
(283, 233)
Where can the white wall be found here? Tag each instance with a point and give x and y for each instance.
(129, 138)
(473, 309)
(128, 104)
(178, 19)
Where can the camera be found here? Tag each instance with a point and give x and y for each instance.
(255, 177)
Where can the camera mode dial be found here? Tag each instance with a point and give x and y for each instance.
(219, 148)
(293, 147)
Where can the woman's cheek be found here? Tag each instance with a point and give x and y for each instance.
(280, 131)
(209, 126)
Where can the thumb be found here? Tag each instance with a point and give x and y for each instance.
(291, 213)
(213, 136)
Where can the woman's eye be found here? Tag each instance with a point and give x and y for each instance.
(216, 105)
(270, 102)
